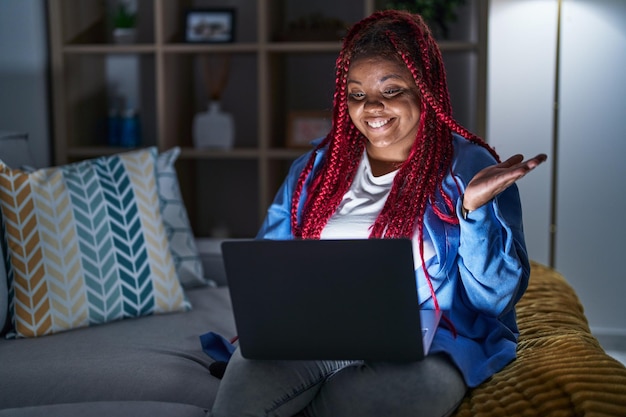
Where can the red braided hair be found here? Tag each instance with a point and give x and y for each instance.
(401, 36)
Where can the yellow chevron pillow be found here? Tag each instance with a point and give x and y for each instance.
(86, 244)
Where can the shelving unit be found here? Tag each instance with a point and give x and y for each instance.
(226, 191)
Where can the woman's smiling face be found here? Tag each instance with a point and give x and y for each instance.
(383, 102)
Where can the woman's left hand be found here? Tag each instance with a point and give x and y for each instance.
(491, 181)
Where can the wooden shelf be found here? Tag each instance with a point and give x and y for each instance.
(233, 187)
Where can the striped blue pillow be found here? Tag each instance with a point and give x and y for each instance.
(86, 244)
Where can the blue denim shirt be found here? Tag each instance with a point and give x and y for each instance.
(479, 271)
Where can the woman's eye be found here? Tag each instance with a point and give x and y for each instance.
(393, 91)
(356, 96)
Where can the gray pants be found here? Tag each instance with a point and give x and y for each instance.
(431, 387)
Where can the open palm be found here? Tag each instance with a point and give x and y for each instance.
(491, 181)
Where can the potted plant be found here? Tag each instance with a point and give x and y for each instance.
(437, 13)
(124, 23)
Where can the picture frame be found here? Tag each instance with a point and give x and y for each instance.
(210, 25)
(305, 126)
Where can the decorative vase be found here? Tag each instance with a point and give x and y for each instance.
(213, 128)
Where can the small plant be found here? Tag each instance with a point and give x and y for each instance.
(123, 17)
(437, 13)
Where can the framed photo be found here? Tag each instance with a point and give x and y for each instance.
(304, 126)
(210, 25)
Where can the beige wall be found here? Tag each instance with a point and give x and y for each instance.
(589, 196)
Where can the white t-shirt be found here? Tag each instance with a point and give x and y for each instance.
(361, 205)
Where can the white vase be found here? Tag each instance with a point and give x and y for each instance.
(213, 128)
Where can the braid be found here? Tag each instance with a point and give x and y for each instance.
(400, 36)
(345, 147)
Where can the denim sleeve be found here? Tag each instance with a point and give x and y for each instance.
(492, 258)
(277, 222)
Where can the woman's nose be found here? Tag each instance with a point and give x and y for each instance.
(374, 105)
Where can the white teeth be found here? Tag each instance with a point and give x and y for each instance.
(378, 124)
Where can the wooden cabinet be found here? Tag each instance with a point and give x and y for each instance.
(274, 70)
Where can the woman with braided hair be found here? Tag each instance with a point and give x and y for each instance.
(395, 164)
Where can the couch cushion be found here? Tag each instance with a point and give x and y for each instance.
(210, 249)
(560, 370)
(157, 358)
(188, 264)
(86, 244)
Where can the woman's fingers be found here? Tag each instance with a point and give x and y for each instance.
(492, 180)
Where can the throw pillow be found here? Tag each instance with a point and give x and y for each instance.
(86, 244)
(176, 221)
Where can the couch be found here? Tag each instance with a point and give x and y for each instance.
(152, 363)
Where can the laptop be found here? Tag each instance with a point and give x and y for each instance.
(327, 300)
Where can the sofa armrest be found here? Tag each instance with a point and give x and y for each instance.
(560, 370)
